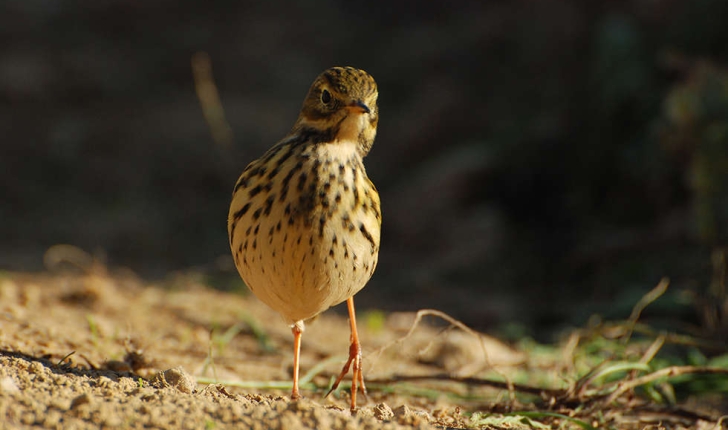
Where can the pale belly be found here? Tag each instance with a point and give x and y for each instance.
(302, 255)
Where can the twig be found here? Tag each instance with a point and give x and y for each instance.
(470, 381)
(645, 301)
(65, 357)
(570, 349)
(305, 381)
(207, 93)
(434, 312)
(653, 349)
(679, 339)
(668, 372)
(719, 424)
(209, 359)
(602, 371)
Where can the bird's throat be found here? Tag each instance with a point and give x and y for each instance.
(351, 127)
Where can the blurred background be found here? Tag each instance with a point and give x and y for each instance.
(538, 161)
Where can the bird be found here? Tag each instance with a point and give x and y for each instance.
(305, 219)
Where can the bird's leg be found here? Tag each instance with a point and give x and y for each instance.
(297, 330)
(357, 376)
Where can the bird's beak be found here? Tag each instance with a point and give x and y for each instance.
(359, 106)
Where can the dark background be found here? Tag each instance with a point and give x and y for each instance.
(538, 161)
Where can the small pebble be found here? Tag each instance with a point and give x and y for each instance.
(8, 385)
(175, 378)
(383, 412)
(81, 400)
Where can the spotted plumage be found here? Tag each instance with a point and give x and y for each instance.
(304, 222)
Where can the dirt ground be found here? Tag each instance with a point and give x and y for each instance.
(97, 351)
(86, 351)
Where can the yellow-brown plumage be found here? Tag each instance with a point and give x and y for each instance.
(304, 222)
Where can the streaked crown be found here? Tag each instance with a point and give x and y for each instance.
(342, 101)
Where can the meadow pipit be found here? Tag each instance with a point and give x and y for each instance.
(304, 221)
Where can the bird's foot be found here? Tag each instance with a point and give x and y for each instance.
(357, 377)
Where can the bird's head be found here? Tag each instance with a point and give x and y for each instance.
(342, 101)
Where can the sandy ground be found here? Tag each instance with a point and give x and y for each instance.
(92, 350)
(97, 351)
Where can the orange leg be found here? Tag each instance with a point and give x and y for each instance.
(297, 331)
(354, 357)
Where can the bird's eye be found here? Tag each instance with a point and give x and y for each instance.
(325, 97)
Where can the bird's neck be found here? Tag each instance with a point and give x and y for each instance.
(340, 150)
(349, 131)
